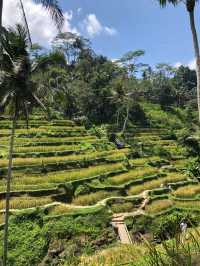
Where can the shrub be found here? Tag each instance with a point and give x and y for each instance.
(193, 168)
(168, 226)
(81, 190)
(161, 151)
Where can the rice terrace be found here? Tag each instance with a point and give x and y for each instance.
(99, 142)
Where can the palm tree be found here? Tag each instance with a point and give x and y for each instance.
(52, 7)
(17, 92)
(190, 7)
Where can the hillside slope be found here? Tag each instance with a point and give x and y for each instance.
(67, 183)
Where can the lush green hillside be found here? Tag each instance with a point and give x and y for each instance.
(68, 182)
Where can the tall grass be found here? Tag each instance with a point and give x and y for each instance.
(144, 160)
(47, 148)
(93, 198)
(131, 175)
(182, 250)
(33, 140)
(187, 191)
(172, 177)
(122, 207)
(190, 204)
(24, 181)
(43, 129)
(48, 160)
(115, 256)
(158, 206)
(26, 202)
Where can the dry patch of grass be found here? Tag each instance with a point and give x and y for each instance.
(26, 202)
(119, 255)
(2, 218)
(158, 206)
(93, 198)
(191, 204)
(61, 209)
(123, 207)
(187, 191)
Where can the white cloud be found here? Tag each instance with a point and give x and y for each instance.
(110, 31)
(191, 64)
(94, 27)
(117, 62)
(177, 65)
(42, 28)
(79, 10)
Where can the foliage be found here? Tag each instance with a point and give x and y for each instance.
(34, 237)
(193, 168)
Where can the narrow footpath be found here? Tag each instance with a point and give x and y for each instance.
(120, 225)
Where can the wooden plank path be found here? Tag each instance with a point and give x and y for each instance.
(120, 225)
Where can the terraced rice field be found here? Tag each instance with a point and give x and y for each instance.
(58, 161)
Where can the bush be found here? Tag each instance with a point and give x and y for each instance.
(168, 226)
(193, 168)
(81, 190)
(161, 151)
(186, 138)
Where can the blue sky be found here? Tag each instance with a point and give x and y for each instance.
(115, 27)
(140, 24)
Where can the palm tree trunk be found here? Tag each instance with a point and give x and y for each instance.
(126, 120)
(5, 240)
(197, 56)
(1, 13)
(118, 113)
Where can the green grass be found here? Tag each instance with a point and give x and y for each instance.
(171, 177)
(40, 161)
(25, 181)
(131, 175)
(47, 148)
(115, 256)
(48, 140)
(122, 207)
(161, 119)
(144, 160)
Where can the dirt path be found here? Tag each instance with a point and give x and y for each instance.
(120, 225)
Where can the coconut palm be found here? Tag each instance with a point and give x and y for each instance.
(17, 93)
(190, 7)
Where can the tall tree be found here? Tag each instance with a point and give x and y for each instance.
(190, 7)
(18, 93)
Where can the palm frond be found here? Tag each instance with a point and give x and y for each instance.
(56, 12)
(163, 3)
(39, 102)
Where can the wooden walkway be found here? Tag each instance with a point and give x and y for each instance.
(120, 225)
